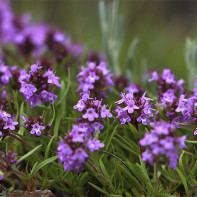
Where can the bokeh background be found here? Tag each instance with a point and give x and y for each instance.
(161, 26)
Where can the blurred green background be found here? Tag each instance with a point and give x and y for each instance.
(161, 26)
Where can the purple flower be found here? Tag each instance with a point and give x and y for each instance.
(80, 105)
(162, 142)
(168, 97)
(8, 159)
(94, 145)
(62, 149)
(27, 89)
(105, 112)
(168, 77)
(195, 132)
(71, 158)
(90, 114)
(34, 68)
(36, 129)
(132, 88)
(48, 96)
(1, 177)
(143, 119)
(155, 77)
(80, 155)
(129, 101)
(95, 78)
(10, 124)
(93, 113)
(136, 108)
(149, 139)
(4, 115)
(38, 85)
(147, 156)
(74, 149)
(52, 79)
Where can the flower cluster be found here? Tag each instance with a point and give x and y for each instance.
(7, 160)
(38, 39)
(95, 78)
(5, 73)
(167, 85)
(38, 84)
(162, 143)
(7, 123)
(136, 108)
(170, 93)
(35, 125)
(94, 114)
(74, 150)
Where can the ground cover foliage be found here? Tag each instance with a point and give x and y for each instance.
(71, 120)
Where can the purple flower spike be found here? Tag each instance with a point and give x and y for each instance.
(74, 150)
(38, 86)
(95, 78)
(136, 108)
(162, 142)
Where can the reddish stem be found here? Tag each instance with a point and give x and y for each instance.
(20, 140)
(96, 170)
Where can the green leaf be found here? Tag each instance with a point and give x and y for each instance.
(126, 146)
(34, 166)
(109, 138)
(165, 195)
(21, 131)
(82, 178)
(51, 122)
(130, 143)
(183, 179)
(99, 189)
(191, 142)
(128, 194)
(48, 148)
(133, 130)
(181, 162)
(136, 193)
(106, 175)
(42, 164)
(193, 170)
(63, 90)
(28, 154)
(145, 175)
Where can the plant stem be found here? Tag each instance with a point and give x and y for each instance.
(137, 128)
(1, 164)
(20, 140)
(155, 179)
(96, 170)
(124, 165)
